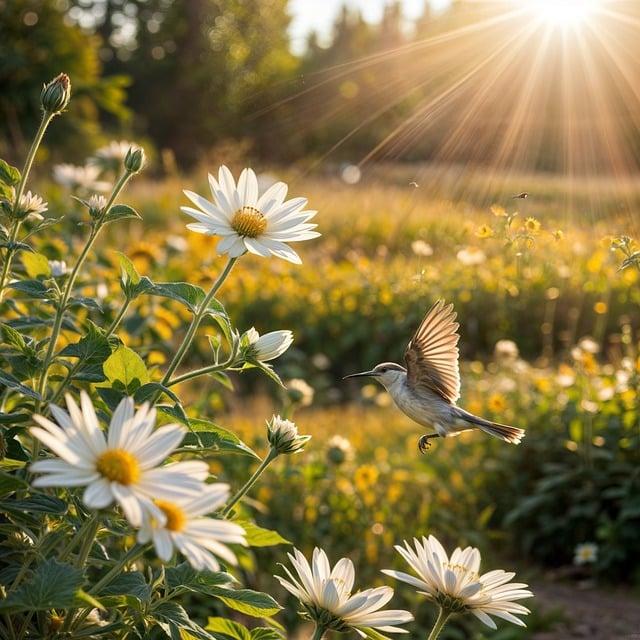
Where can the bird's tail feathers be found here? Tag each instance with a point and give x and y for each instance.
(505, 432)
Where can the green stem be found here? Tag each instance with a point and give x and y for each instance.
(318, 632)
(195, 323)
(135, 552)
(88, 538)
(118, 319)
(66, 294)
(198, 372)
(443, 616)
(26, 170)
(271, 456)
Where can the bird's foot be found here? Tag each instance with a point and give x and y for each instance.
(424, 442)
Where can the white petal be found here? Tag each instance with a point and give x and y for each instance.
(129, 503)
(163, 545)
(160, 445)
(98, 494)
(273, 197)
(228, 186)
(248, 188)
(122, 414)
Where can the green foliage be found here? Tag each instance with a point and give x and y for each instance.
(34, 50)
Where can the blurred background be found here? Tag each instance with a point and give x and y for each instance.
(410, 126)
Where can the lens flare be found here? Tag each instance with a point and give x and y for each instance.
(563, 13)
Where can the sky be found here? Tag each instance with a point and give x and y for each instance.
(318, 15)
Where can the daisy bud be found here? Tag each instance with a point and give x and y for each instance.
(96, 206)
(55, 95)
(267, 347)
(134, 160)
(30, 204)
(283, 436)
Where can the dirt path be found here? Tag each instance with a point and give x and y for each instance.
(590, 613)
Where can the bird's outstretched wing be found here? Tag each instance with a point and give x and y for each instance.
(432, 353)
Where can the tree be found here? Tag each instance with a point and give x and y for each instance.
(37, 43)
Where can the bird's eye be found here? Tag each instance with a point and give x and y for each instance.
(383, 370)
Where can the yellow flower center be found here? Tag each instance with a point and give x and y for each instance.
(119, 466)
(249, 222)
(176, 518)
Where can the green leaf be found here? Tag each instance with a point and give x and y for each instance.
(184, 576)
(222, 378)
(125, 370)
(251, 603)
(9, 174)
(372, 634)
(187, 294)
(10, 482)
(13, 418)
(266, 633)
(129, 583)
(259, 537)
(33, 288)
(228, 628)
(13, 383)
(128, 271)
(36, 265)
(147, 391)
(208, 436)
(122, 212)
(176, 618)
(36, 503)
(92, 350)
(53, 585)
(268, 370)
(12, 337)
(86, 302)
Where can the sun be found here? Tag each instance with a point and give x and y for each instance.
(563, 13)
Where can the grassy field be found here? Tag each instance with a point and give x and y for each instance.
(546, 279)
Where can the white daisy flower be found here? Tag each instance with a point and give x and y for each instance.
(121, 466)
(268, 346)
(111, 156)
(83, 178)
(455, 584)
(183, 526)
(31, 204)
(325, 594)
(58, 268)
(247, 221)
(283, 436)
(586, 553)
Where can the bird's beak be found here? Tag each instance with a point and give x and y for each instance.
(363, 374)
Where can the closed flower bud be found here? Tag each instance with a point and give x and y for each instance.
(134, 160)
(55, 95)
(266, 347)
(283, 436)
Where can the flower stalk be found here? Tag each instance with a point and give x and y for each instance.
(441, 621)
(195, 323)
(318, 632)
(271, 456)
(17, 223)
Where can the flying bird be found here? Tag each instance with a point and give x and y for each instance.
(428, 388)
(522, 196)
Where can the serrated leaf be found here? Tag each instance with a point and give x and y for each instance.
(32, 288)
(9, 174)
(247, 601)
(184, 576)
(259, 537)
(129, 583)
(13, 337)
(187, 294)
(173, 615)
(12, 382)
(206, 435)
(125, 370)
(121, 212)
(36, 265)
(53, 585)
(228, 628)
(92, 350)
(147, 391)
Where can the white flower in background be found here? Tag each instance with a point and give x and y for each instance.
(455, 584)
(589, 345)
(422, 248)
(79, 178)
(325, 594)
(111, 156)
(250, 222)
(586, 553)
(471, 256)
(506, 350)
(268, 346)
(339, 449)
(32, 205)
(185, 527)
(300, 391)
(124, 466)
(283, 436)
(58, 268)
